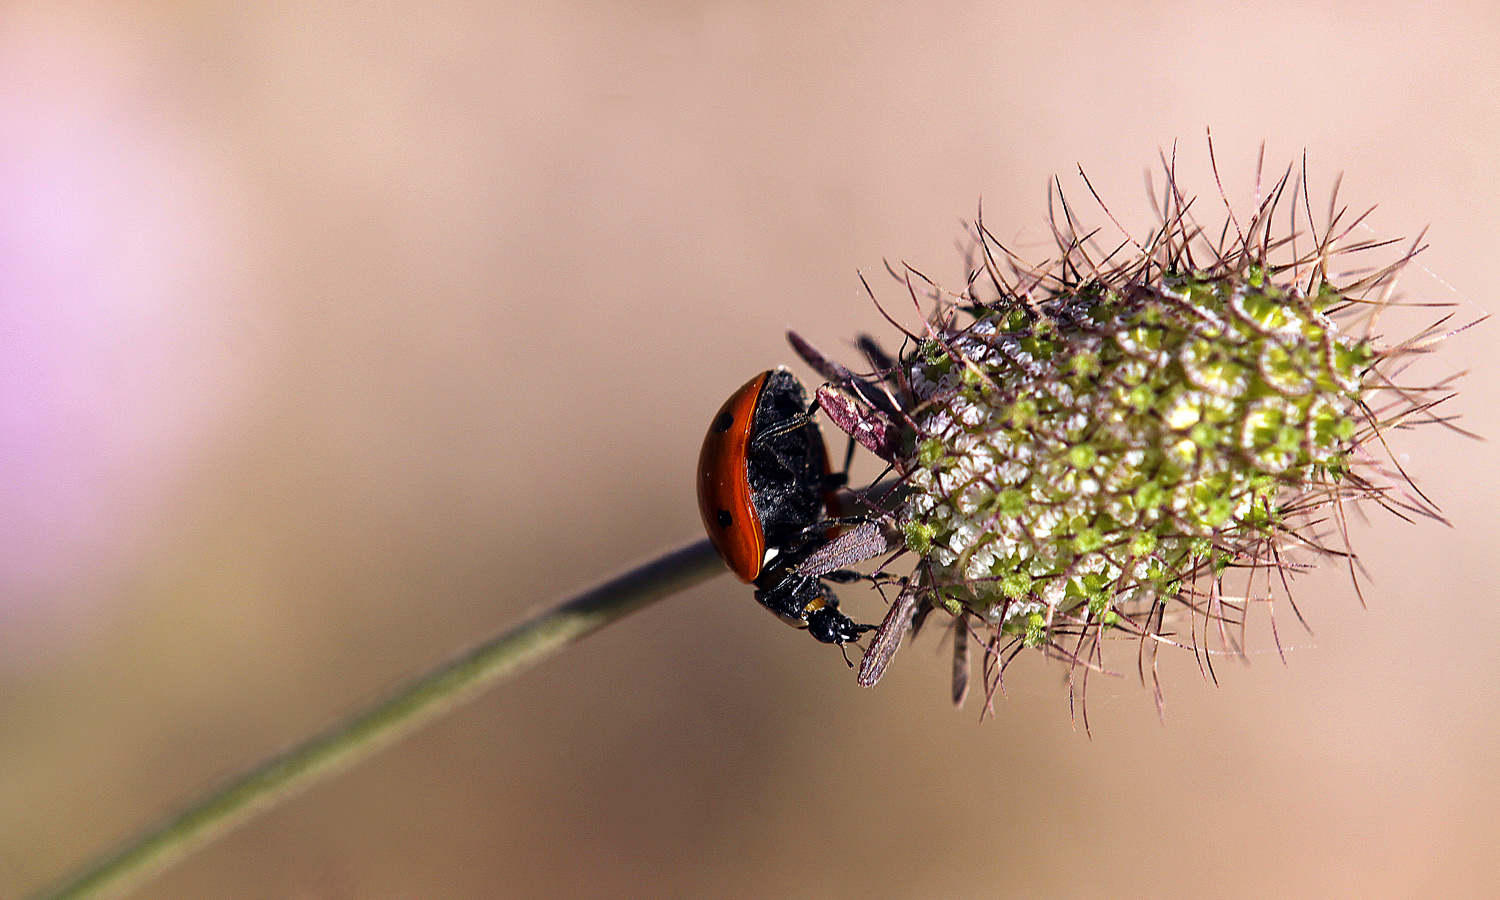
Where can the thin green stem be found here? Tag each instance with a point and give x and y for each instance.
(453, 683)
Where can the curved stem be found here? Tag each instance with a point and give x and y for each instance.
(407, 709)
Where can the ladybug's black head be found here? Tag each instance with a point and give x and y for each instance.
(830, 626)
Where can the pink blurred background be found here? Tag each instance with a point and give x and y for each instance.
(336, 338)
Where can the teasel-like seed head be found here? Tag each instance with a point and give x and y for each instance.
(1143, 442)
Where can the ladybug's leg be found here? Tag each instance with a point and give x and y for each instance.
(831, 483)
(848, 457)
(849, 576)
(787, 425)
(802, 420)
(843, 473)
(810, 475)
(844, 576)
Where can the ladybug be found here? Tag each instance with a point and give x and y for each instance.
(768, 500)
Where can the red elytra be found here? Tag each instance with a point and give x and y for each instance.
(724, 485)
(763, 473)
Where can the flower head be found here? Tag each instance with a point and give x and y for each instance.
(1110, 443)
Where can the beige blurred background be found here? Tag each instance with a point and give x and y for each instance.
(338, 336)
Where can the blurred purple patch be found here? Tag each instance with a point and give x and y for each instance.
(112, 303)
